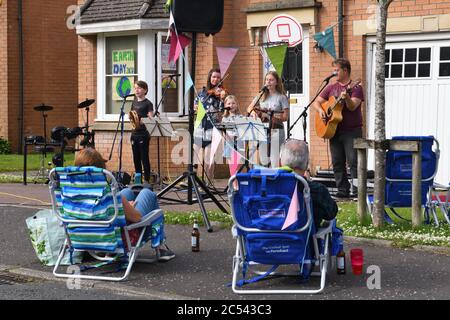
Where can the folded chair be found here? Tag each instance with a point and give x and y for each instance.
(440, 199)
(398, 190)
(268, 234)
(87, 202)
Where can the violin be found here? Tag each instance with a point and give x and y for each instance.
(219, 94)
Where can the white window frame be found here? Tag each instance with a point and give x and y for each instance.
(442, 61)
(182, 104)
(417, 46)
(146, 58)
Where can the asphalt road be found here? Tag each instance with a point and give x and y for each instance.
(404, 273)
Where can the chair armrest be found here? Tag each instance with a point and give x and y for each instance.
(146, 220)
(321, 232)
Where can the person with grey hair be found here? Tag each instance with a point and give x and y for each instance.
(294, 155)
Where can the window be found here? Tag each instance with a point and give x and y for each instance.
(408, 63)
(444, 62)
(293, 70)
(121, 71)
(169, 79)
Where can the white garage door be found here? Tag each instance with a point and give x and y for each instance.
(417, 94)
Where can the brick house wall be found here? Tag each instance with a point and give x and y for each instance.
(4, 74)
(246, 76)
(50, 67)
(355, 50)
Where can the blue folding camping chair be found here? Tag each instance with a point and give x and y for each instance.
(398, 190)
(261, 203)
(87, 202)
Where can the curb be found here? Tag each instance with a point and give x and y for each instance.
(114, 287)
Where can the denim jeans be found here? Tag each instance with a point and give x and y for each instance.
(146, 201)
(342, 155)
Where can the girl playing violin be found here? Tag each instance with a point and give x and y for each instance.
(211, 97)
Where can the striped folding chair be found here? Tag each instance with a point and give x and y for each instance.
(87, 202)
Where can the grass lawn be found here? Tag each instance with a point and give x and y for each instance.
(400, 233)
(14, 162)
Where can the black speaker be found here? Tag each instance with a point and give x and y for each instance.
(202, 16)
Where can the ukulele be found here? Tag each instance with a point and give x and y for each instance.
(333, 109)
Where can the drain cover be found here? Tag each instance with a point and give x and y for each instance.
(7, 278)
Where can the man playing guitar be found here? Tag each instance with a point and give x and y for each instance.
(341, 144)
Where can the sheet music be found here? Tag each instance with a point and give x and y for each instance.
(250, 129)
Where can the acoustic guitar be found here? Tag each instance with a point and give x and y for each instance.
(333, 109)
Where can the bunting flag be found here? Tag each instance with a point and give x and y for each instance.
(215, 142)
(177, 44)
(188, 83)
(326, 41)
(171, 22)
(294, 208)
(201, 112)
(235, 158)
(225, 55)
(276, 55)
(167, 5)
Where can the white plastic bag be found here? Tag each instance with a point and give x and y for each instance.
(47, 236)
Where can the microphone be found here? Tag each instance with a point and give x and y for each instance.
(174, 75)
(330, 76)
(264, 88)
(129, 95)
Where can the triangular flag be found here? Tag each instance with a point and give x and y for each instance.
(167, 5)
(177, 44)
(225, 55)
(294, 208)
(215, 142)
(276, 55)
(171, 22)
(326, 41)
(188, 83)
(234, 164)
(201, 112)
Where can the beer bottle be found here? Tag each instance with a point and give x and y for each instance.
(340, 261)
(195, 237)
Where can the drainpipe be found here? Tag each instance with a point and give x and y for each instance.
(341, 27)
(21, 98)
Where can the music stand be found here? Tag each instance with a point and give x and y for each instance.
(158, 127)
(250, 129)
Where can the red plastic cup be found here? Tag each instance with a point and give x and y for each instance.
(357, 260)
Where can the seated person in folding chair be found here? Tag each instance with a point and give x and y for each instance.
(135, 207)
(294, 154)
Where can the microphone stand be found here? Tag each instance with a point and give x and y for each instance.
(193, 181)
(121, 123)
(304, 114)
(270, 113)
